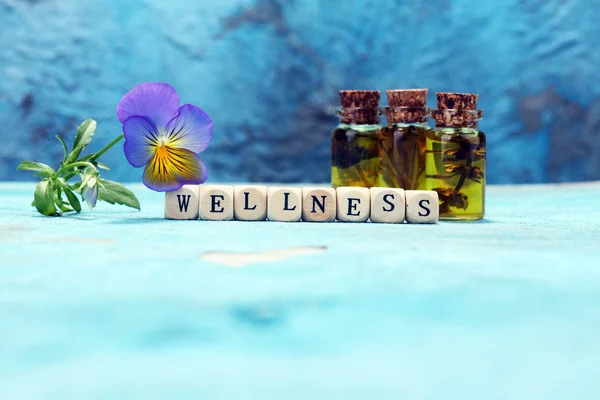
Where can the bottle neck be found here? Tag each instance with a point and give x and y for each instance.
(359, 116)
(456, 118)
(406, 115)
(405, 124)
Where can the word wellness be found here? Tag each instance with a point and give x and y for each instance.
(310, 204)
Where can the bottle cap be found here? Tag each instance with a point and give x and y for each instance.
(359, 98)
(413, 98)
(457, 101)
(407, 105)
(360, 106)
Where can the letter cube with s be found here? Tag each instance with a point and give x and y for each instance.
(422, 206)
(216, 202)
(387, 205)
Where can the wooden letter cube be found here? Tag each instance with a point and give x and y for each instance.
(353, 204)
(422, 206)
(284, 204)
(387, 205)
(250, 203)
(182, 203)
(216, 202)
(318, 204)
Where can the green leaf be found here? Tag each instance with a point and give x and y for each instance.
(73, 200)
(100, 165)
(43, 170)
(44, 198)
(113, 192)
(85, 132)
(64, 146)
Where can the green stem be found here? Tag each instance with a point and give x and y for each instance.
(70, 166)
(107, 147)
(92, 159)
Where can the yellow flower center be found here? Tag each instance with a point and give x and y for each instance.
(162, 141)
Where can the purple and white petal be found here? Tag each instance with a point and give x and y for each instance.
(141, 139)
(90, 194)
(157, 101)
(191, 129)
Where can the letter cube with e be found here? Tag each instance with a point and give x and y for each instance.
(422, 206)
(284, 204)
(182, 203)
(250, 203)
(353, 204)
(216, 202)
(387, 205)
(318, 204)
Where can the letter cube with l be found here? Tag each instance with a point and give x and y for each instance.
(387, 205)
(353, 204)
(182, 203)
(216, 202)
(284, 204)
(422, 206)
(250, 203)
(318, 204)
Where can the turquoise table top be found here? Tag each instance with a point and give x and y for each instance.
(508, 308)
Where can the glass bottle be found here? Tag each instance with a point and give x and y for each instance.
(354, 142)
(402, 141)
(455, 165)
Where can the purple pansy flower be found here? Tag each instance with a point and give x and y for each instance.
(164, 137)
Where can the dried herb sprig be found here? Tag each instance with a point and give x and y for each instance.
(458, 162)
(48, 195)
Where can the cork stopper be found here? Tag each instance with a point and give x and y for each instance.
(457, 110)
(413, 98)
(457, 101)
(408, 105)
(360, 106)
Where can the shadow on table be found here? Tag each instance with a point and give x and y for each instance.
(481, 221)
(140, 221)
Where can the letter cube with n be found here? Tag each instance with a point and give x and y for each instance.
(216, 202)
(353, 204)
(422, 206)
(250, 203)
(387, 205)
(318, 204)
(182, 203)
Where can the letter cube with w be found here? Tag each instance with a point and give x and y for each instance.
(182, 203)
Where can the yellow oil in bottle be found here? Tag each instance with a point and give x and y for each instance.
(455, 168)
(355, 155)
(402, 150)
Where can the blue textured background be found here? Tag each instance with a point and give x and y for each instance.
(266, 71)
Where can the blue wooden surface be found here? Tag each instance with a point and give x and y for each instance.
(506, 308)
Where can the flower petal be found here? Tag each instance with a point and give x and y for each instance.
(191, 129)
(141, 139)
(90, 194)
(171, 168)
(157, 101)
